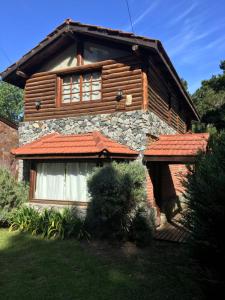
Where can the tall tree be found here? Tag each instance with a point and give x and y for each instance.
(11, 102)
(210, 99)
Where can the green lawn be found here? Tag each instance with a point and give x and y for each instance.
(33, 268)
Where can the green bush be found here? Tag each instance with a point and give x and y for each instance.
(12, 194)
(142, 226)
(117, 191)
(205, 217)
(48, 223)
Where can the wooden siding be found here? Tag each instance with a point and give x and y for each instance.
(124, 73)
(164, 102)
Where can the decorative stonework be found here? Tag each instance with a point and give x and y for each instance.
(128, 128)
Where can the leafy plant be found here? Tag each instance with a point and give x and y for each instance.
(12, 194)
(117, 191)
(142, 227)
(205, 217)
(50, 223)
(11, 101)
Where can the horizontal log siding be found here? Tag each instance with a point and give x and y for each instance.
(163, 102)
(124, 74)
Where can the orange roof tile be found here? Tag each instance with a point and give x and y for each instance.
(178, 145)
(88, 143)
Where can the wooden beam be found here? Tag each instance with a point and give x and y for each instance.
(172, 159)
(59, 202)
(145, 90)
(22, 74)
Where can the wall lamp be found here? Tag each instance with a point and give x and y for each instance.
(38, 104)
(119, 95)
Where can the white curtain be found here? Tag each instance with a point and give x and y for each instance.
(63, 181)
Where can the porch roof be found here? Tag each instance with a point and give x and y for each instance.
(177, 147)
(57, 145)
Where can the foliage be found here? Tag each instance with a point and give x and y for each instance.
(117, 191)
(210, 99)
(12, 194)
(185, 85)
(49, 223)
(206, 208)
(141, 229)
(199, 127)
(11, 101)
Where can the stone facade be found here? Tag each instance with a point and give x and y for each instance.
(128, 128)
(8, 139)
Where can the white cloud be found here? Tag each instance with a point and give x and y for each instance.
(183, 15)
(143, 15)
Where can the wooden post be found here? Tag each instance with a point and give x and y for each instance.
(32, 181)
(145, 90)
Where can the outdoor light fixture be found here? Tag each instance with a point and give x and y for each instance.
(38, 104)
(119, 95)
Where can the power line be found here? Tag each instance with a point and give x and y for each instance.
(129, 13)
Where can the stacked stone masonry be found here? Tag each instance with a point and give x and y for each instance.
(128, 128)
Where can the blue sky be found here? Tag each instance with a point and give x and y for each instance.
(192, 31)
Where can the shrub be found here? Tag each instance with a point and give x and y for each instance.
(142, 227)
(12, 194)
(48, 223)
(205, 217)
(116, 191)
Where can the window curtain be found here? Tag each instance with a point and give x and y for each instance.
(63, 181)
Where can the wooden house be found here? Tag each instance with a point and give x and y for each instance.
(92, 95)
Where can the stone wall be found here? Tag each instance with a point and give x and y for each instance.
(128, 128)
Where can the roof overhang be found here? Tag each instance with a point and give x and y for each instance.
(62, 36)
(170, 159)
(92, 145)
(177, 148)
(8, 122)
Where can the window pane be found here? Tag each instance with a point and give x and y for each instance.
(87, 77)
(96, 85)
(75, 97)
(86, 86)
(66, 80)
(76, 78)
(66, 98)
(50, 181)
(96, 95)
(91, 87)
(76, 180)
(86, 96)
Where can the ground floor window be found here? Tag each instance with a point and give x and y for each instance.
(63, 180)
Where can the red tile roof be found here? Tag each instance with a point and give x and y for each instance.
(88, 143)
(178, 145)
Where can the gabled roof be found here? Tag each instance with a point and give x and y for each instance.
(93, 143)
(178, 145)
(67, 31)
(8, 122)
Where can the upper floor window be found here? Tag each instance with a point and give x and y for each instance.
(83, 87)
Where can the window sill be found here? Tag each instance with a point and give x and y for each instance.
(80, 103)
(60, 202)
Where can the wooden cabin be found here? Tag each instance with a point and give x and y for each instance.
(93, 93)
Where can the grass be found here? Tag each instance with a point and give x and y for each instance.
(34, 268)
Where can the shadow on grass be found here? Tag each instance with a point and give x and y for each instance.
(34, 268)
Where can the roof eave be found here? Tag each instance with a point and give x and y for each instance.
(170, 158)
